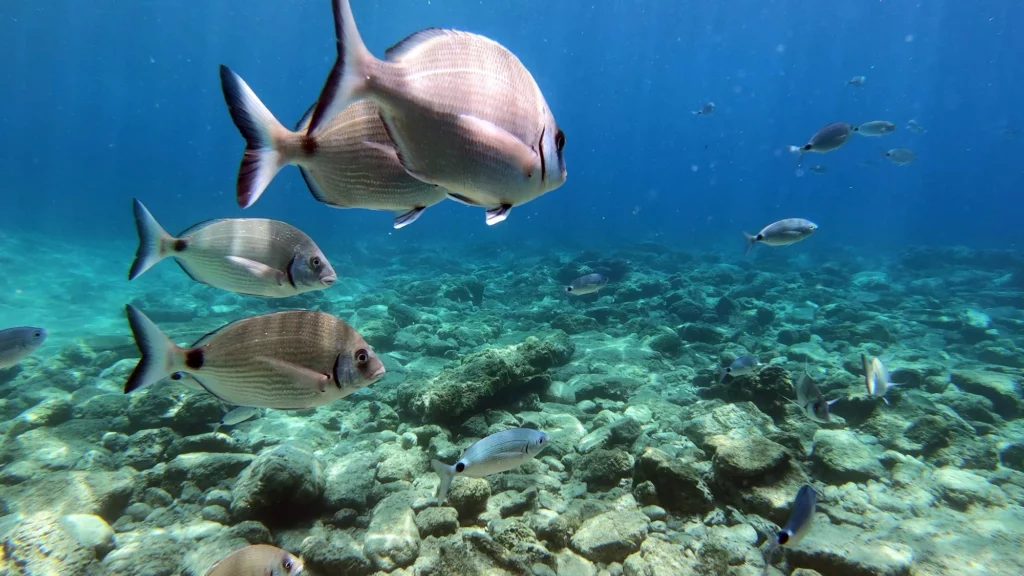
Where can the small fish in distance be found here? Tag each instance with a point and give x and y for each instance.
(706, 110)
(915, 127)
(741, 367)
(258, 560)
(463, 111)
(801, 518)
(237, 416)
(901, 156)
(587, 284)
(349, 163)
(499, 452)
(832, 137)
(857, 81)
(782, 233)
(16, 344)
(875, 128)
(250, 256)
(818, 169)
(289, 360)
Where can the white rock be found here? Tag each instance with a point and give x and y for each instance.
(90, 531)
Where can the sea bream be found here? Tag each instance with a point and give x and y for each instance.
(463, 111)
(740, 367)
(876, 377)
(349, 162)
(289, 360)
(875, 128)
(16, 344)
(801, 518)
(810, 399)
(831, 137)
(782, 233)
(499, 452)
(251, 256)
(258, 560)
(587, 284)
(237, 416)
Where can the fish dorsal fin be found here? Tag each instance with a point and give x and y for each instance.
(415, 39)
(304, 121)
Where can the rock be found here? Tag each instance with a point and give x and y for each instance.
(99, 492)
(334, 553)
(90, 531)
(205, 470)
(147, 448)
(569, 563)
(399, 464)
(49, 413)
(841, 457)
(437, 521)
(1002, 389)
(612, 536)
(349, 481)
(743, 417)
(559, 392)
(746, 458)
(590, 386)
(667, 343)
(252, 532)
(379, 333)
(575, 323)
(392, 539)
(218, 514)
(624, 432)
(281, 482)
(602, 469)
(157, 554)
(848, 551)
(39, 546)
(1012, 456)
(679, 487)
(962, 488)
(469, 496)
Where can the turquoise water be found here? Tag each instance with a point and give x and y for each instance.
(651, 463)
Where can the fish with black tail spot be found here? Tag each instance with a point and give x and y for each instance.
(801, 518)
(781, 233)
(498, 452)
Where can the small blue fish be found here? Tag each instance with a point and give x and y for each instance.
(801, 517)
(17, 343)
(499, 452)
(741, 367)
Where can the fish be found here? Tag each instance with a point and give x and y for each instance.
(289, 360)
(901, 156)
(801, 518)
(831, 137)
(587, 284)
(463, 111)
(258, 560)
(399, 356)
(16, 344)
(857, 81)
(782, 233)
(876, 377)
(818, 169)
(349, 163)
(250, 256)
(810, 399)
(706, 110)
(741, 367)
(237, 416)
(915, 127)
(499, 452)
(875, 128)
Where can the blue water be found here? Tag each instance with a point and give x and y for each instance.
(103, 101)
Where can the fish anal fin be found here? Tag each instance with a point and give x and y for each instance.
(403, 219)
(304, 377)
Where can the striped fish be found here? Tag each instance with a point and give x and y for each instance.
(251, 256)
(17, 343)
(350, 162)
(498, 452)
(285, 360)
(258, 560)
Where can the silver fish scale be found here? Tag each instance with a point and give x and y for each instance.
(348, 173)
(488, 82)
(233, 372)
(14, 347)
(269, 242)
(490, 448)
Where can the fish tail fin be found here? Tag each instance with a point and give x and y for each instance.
(153, 240)
(447, 474)
(751, 242)
(348, 80)
(768, 556)
(215, 427)
(160, 356)
(264, 135)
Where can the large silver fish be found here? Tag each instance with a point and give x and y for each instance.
(285, 360)
(258, 560)
(801, 518)
(831, 137)
(16, 344)
(782, 233)
(251, 256)
(498, 452)
(810, 399)
(349, 163)
(463, 111)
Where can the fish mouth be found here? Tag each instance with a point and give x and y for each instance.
(329, 280)
(378, 374)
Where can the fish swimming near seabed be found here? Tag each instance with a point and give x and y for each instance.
(876, 377)
(16, 344)
(289, 360)
(349, 163)
(251, 256)
(810, 399)
(782, 233)
(801, 517)
(258, 560)
(587, 284)
(496, 453)
(237, 416)
(740, 367)
(463, 111)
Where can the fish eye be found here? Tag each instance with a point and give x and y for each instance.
(37, 334)
(315, 262)
(287, 565)
(540, 440)
(362, 356)
(560, 140)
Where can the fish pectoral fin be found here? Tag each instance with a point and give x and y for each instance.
(500, 140)
(304, 377)
(498, 215)
(388, 151)
(831, 402)
(259, 269)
